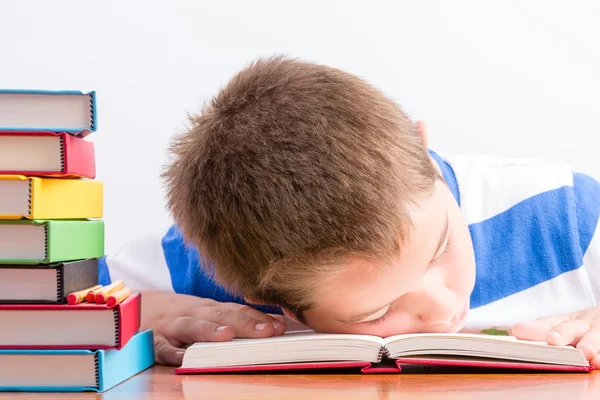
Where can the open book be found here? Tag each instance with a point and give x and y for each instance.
(309, 350)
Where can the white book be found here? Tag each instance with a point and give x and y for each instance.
(46, 110)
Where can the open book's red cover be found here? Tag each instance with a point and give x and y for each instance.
(369, 368)
(79, 157)
(129, 315)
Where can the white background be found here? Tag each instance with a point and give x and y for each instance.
(516, 78)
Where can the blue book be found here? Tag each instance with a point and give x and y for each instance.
(75, 370)
(68, 111)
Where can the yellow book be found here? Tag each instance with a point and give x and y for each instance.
(49, 198)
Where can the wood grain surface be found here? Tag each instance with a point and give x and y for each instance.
(161, 382)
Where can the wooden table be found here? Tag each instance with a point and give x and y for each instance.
(161, 383)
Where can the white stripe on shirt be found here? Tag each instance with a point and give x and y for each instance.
(591, 262)
(490, 185)
(563, 294)
(141, 264)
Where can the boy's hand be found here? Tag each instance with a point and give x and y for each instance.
(179, 320)
(580, 329)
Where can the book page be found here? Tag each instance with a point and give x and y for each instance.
(482, 346)
(30, 153)
(292, 347)
(43, 111)
(305, 335)
(15, 198)
(22, 242)
(463, 336)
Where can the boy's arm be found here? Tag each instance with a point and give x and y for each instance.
(180, 302)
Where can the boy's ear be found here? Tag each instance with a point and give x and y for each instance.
(422, 130)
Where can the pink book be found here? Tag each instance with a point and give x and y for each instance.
(302, 351)
(66, 326)
(46, 154)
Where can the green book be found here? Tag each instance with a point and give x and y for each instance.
(47, 241)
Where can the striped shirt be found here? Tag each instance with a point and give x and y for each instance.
(533, 223)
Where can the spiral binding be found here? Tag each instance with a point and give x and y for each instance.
(92, 119)
(117, 327)
(29, 201)
(60, 278)
(62, 155)
(46, 241)
(97, 370)
(383, 352)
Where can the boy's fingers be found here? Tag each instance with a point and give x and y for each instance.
(537, 330)
(249, 327)
(595, 362)
(590, 344)
(190, 330)
(252, 312)
(247, 321)
(567, 332)
(166, 353)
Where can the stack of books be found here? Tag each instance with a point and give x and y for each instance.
(59, 329)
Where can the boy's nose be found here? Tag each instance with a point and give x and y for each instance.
(437, 305)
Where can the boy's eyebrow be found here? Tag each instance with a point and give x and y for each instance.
(441, 241)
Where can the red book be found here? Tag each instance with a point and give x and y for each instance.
(79, 326)
(399, 366)
(46, 154)
(346, 353)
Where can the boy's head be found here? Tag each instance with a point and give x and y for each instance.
(305, 187)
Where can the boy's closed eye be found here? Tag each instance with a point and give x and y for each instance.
(380, 315)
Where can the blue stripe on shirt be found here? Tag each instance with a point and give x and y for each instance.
(103, 272)
(448, 175)
(532, 242)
